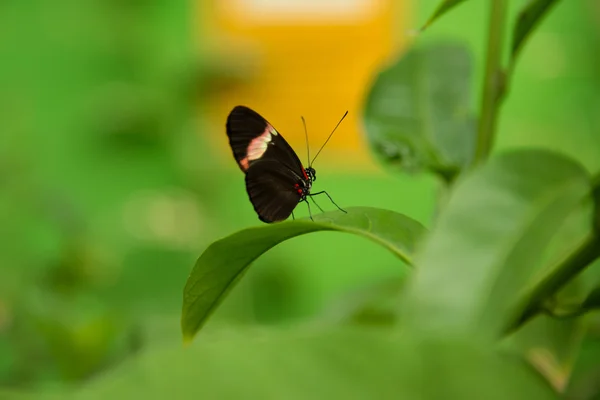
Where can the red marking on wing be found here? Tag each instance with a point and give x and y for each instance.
(304, 172)
(244, 163)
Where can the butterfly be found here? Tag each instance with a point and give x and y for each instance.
(276, 180)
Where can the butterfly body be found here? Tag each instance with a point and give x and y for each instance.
(276, 180)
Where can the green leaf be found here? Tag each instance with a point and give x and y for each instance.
(596, 196)
(442, 8)
(551, 346)
(373, 304)
(592, 301)
(585, 382)
(555, 277)
(418, 115)
(303, 364)
(225, 261)
(489, 239)
(527, 20)
(32, 395)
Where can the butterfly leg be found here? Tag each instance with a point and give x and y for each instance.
(293, 218)
(309, 212)
(334, 203)
(316, 204)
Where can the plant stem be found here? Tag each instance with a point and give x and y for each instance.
(532, 302)
(494, 81)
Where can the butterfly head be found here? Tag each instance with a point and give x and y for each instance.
(311, 173)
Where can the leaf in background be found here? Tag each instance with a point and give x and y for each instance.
(551, 345)
(32, 394)
(299, 363)
(225, 261)
(578, 297)
(527, 20)
(585, 382)
(557, 278)
(418, 114)
(372, 304)
(592, 301)
(596, 196)
(442, 8)
(489, 239)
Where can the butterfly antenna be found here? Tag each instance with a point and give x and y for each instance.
(306, 135)
(330, 135)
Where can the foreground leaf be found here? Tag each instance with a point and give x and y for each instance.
(489, 240)
(555, 278)
(24, 395)
(592, 301)
(373, 304)
(585, 382)
(353, 364)
(442, 8)
(527, 21)
(551, 346)
(225, 261)
(417, 115)
(596, 196)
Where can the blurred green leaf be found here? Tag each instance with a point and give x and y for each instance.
(224, 262)
(489, 240)
(568, 307)
(81, 339)
(592, 301)
(32, 395)
(556, 277)
(528, 19)
(585, 382)
(551, 346)
(373, 304)
(442, 8)
(315, 364)
(417, 114)
(596, 196)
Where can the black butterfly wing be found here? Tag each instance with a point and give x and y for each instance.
(271, 188)
(253, 138)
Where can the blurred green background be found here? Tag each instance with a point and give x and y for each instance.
(110, 187)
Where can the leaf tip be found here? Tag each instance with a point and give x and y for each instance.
(187, 332)
(187, 340)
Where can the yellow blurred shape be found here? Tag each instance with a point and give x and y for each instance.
(315, 58)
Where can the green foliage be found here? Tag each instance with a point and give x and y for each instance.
(219, 268)
(482, 272)
(592, 301)
(556, 276)
(489, 238)
(105, 204)
(528, 19)
(442, 8)
(351, 363)
(418, 112)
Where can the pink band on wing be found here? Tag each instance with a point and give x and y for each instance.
(259, 145)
